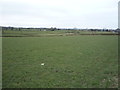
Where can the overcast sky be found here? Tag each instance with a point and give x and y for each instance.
(59, 13)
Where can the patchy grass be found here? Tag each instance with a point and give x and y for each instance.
(69, 62)
(10, 33)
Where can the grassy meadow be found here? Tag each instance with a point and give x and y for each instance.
(28, 33)
(81, 61)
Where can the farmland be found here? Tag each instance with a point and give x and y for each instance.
(71, 60)
(34, 33)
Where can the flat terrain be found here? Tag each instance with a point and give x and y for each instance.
(27, 33)
(70, 61)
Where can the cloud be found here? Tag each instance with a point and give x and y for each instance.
(59, 13)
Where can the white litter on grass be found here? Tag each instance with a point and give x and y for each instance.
(42, 63)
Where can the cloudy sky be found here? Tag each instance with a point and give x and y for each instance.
(59, 13)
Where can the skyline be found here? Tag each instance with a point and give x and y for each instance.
(60, 14)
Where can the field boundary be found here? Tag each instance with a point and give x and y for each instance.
(51, 35)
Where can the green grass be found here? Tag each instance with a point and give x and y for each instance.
(51, 33)
(0, 62)
(70, 62)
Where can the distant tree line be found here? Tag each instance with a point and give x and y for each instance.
(54, 29)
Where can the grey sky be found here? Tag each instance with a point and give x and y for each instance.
(59, 13)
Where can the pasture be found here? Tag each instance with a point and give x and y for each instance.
(88, 61)
(34, 33)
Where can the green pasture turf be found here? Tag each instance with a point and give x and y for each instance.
(51, 33)
(70, 62)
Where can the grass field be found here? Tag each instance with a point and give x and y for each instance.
(70, 62)
(53, 33)
(0, 62)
